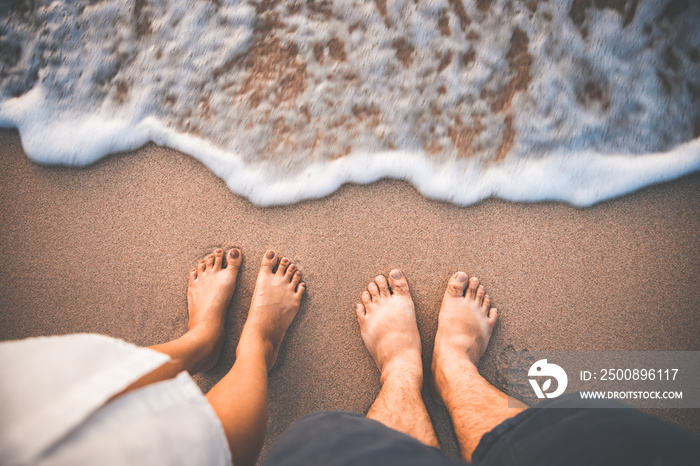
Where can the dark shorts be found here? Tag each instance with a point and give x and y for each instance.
(600, 435)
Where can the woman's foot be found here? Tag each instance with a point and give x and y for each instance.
(465, 323)
(388, 327)
(276, 300)
(209, 293)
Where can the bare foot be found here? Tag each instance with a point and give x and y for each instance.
(388, 326)
(276, 300)
(465, 323)
(209, 293)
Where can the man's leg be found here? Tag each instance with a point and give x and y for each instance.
(240, 398)
(465, 323)
(388, 326)
(211, 286)
(561, 435)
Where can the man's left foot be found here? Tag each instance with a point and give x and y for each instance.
(388, 326)
(209, 293)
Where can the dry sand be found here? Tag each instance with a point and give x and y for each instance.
(107, 249)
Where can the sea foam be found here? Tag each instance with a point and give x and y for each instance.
(577, 101)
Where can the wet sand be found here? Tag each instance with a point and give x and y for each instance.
(106, 249)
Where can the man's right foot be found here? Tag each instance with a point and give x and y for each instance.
(388, 327)
(276, 300)
(465, 323)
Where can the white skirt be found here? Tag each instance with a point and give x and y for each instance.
(54, 394)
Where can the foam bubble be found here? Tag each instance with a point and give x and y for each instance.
(285, 101)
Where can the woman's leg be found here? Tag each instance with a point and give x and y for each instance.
(209, 293)
(240, 398)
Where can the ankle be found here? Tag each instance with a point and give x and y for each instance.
(202, 349)
(450, 373)
(450, 359)
(256, 345)
(403, 372)
(206, 334)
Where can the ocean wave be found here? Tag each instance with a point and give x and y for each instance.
(576, 101)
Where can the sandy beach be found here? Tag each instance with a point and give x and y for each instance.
(107, 248)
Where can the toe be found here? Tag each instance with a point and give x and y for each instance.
(296, 278)
(218, 259)
(398, 283)
(201, 266)
(269, 261)
(456, 285)
(300, 290)
(382, 285)
(473, 285)
(193, 275)
(209, 261)
(360, 310)
(373, 290)
(290, 272)
(493, 316)
(486, 304)
(233, 262)
(366, 300)
(282, 268)
(480, 292)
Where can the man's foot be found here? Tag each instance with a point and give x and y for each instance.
(209, 293)
(276, 300)
(465, 323)
(388, 326)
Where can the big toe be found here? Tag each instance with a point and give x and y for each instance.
(456, 285)
(269, 261)
(398, 283)
(233, 260)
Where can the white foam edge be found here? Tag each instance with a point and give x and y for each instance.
(581, 179)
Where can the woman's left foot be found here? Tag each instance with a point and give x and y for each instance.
(209, 293)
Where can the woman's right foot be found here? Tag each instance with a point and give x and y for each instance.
(276, 300)
(209, 293)
(465, 323)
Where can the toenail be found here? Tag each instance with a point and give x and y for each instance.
(396, 274)
(235, 253)
(285, 260)
(270, 254)
(462, 277)
(218, 251)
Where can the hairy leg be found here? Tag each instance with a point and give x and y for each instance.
(465, 323)
(388, 326)
(240, 398)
